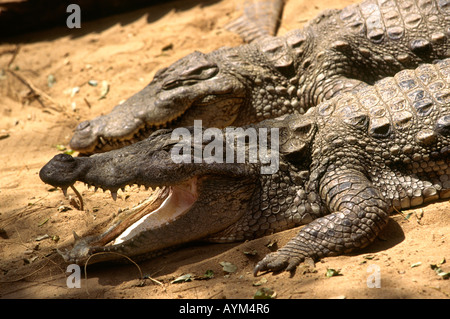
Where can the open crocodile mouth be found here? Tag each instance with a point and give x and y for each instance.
(163, 206)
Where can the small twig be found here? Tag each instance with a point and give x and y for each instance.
(401, 213)
(46, 257)
(110, 252)
(87, 103)
(12, 219)
(154, 280)
(37, 91)
(80, 198)
(25, 276)
(14, 54)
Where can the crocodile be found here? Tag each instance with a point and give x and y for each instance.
(259, 20)
(343, 166)
(338, 51)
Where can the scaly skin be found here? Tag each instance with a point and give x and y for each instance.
(338, 51)
(343, 166)
(260, 19)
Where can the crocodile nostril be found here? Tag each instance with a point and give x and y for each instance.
(83, 125)
(64, 158)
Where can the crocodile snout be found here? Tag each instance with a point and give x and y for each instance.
(60, 171)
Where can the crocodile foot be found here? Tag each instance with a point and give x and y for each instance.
(278, 261)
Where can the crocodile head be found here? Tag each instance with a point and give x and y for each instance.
(191, 200)
(195, 87)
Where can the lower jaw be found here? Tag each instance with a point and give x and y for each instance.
(177, 203)
(163, 206)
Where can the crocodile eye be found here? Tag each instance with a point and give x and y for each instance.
(201, 72)
(191, 69)
(83, 125)
(303, 129)
(64, 158)
(191, 76)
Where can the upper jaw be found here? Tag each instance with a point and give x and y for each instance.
(154, 108)
(111, 131)
(106, 133)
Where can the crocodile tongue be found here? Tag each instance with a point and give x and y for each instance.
(177, 202)
(163, 206)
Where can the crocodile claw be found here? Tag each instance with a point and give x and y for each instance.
(277, 262)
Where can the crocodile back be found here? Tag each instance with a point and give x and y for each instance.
(384, 20)
(397, 132)
(362, 42)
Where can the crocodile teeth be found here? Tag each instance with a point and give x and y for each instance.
(75, 236)
(114, 195)
(64, 189)
(164, 205)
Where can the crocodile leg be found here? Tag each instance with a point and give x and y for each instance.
(359, 213)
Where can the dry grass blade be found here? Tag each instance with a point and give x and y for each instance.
(39, 93)
(141, 277)
(80, 198)
(44, 257)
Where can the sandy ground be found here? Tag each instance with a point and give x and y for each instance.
(126, 50)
